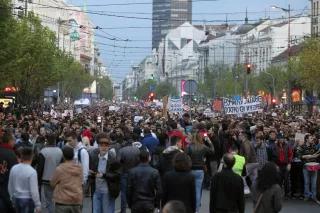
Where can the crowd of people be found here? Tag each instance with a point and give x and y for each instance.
(155, 160)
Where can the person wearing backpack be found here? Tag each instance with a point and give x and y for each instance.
(105, 170)
(81, 155)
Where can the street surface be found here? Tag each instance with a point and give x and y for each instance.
(290, 206)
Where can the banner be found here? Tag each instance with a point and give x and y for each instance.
(175, 105)
(249, 105)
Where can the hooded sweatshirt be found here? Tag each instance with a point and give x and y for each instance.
(67, 184)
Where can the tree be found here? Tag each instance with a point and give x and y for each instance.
(144, 89)
(105, 87)
(165, 89)
(31, 61)
(264, 80)
(309, 63)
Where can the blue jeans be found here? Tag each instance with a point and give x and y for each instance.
(198, 175)
(46, 199)
(24, 205)
(124, 180)
(310, 178)
(103, 203)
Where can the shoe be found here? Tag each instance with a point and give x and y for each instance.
(316, 201)
(306, 199)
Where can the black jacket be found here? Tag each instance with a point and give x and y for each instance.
(227, 193)
(7, 160)
(271, 200)
(180, 186)
(112, 174)
(144, 186)
(198, 155)
(166, 158)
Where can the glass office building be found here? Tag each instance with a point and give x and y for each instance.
(168, 14)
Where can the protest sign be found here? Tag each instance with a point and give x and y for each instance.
(208, 113)
(175, 105)
(248, 105)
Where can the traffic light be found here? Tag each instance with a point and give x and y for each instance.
(248, 67)
(151, 96)
(273, 101)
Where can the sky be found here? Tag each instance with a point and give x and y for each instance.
(128, 45)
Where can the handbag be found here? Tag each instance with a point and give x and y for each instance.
(258, 203)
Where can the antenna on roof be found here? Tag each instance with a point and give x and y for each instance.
(246, 20)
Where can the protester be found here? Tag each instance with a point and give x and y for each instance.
(49, 159)
(81, 155)
(7, 160)
(267, 193)
(227, 191)
(284, 156)
(67, 184)
(105, 169)
(129, 158)
(309, 155)
(167, 156)
(179, 184)
(23, 184)
(144, 186)
(198, 152)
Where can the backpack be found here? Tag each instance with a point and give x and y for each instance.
(79, 154)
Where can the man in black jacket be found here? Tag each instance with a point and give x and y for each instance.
(105, 172)
(227, 191)
(166, 157)
(7, 160)
(144, 186)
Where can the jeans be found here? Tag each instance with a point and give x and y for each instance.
(252, 171)
(46, 199)
(142, 207)
(284, 175)
(123, 185)
(296, 176)
(198, 175)
(310, 179)
(24, 205)
(103, 203)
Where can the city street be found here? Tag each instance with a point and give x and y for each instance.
(291, 206)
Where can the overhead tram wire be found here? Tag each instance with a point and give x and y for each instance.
(147, 18)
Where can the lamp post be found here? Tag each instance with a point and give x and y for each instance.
(273, 83)
(287, 10)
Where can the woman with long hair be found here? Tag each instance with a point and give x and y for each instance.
(198, 152)
(179, 184)
(267, 193)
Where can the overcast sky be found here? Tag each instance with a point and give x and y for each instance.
(119, 59)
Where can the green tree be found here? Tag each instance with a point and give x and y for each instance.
(105, 87)
(309, 64)
(264, 81)
(165, 88)
(144, 89)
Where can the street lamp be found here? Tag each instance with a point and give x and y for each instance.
(287, 10)
(273, 83)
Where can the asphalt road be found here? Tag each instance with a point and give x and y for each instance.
(290, 206)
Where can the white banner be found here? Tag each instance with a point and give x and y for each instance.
(249, 105)
(175, 105)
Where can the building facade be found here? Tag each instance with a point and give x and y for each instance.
(73, 28)
(166, 15)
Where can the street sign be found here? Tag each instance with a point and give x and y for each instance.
(190, 86)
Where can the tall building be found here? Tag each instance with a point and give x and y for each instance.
(167, 15)
(315, 18)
